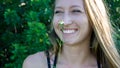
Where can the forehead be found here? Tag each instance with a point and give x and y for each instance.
(69, 3)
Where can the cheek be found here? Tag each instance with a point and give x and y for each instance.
(54, 23)
(84, 24)
(87, 29)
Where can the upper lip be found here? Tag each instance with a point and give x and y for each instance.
(69, 29)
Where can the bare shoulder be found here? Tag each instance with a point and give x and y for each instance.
(37, 60)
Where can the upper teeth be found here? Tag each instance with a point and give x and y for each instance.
(68, 31)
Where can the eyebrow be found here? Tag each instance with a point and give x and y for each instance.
(75, 6)
(59, 7)
(70, 7)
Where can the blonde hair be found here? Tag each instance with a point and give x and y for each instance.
(102, 28)
(102, 43)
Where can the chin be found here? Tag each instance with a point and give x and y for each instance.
(69, 42)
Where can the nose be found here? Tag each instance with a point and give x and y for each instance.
(67, 19)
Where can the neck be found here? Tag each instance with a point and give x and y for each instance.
(77, 54)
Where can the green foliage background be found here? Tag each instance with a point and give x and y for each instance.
(24, 28)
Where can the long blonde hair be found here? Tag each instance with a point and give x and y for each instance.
(102, 41)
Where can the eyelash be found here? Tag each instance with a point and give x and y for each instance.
(77, 11)
(56, 12)
(74, 11)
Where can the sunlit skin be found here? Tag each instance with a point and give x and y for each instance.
(75, 34)
(74, 17)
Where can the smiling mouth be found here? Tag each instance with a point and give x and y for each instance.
(68, 31)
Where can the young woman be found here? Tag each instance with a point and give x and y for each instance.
(86, 35)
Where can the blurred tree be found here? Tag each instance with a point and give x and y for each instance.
(23, 30)
(114, 12)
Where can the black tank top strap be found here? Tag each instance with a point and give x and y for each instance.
(98, 64)
(48, 59)
(55, 59)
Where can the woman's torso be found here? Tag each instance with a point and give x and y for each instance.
(39, 60)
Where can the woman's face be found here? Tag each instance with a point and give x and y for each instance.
(76, 27)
